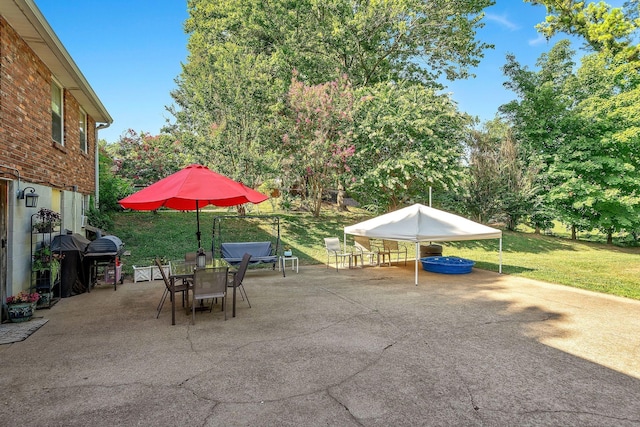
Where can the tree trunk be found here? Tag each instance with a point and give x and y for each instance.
(574, 234)
(537, 230)
(317, 205)
(609, 238)
(340, 198)
(315, 196)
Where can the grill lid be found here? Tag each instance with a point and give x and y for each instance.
(105, 244)
(69, 242)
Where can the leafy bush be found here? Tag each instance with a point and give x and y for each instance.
(99, 219)
(112, 187)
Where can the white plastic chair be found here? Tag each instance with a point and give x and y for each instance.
(332, 245)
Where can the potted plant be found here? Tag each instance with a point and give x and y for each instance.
(46, 220)
(288, 251)
(21, 306)
(42, 258)
(46, 264)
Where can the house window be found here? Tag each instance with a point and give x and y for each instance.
(82, 124)
(56, 113)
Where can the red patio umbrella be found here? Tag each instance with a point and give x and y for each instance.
(190, 189)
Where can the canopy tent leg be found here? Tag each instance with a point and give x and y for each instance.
(417, 258)
(344, 242)
(500, 251)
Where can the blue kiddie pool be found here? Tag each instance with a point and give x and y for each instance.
(447, 265)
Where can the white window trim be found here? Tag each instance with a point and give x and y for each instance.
(55, 82)
(84, 131)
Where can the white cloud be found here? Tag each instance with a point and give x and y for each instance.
(502, 20)
(538, 40)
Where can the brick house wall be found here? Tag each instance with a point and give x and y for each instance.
(25, 121)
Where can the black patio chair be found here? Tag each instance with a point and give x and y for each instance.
(182, 288)
(238, 277)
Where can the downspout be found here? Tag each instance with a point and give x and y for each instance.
(96, 200)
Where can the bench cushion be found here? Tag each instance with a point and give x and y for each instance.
(260, 252)
(238, 249)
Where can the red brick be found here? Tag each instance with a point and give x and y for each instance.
(25, 121)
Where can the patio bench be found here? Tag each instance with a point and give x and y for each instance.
(261, 253)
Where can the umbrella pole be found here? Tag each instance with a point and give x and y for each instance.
(198, 222)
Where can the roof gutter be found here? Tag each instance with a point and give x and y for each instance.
(96, 199)
(27, 20)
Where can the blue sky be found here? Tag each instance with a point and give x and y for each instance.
(131, 52)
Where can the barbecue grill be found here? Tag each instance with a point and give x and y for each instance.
(102, 255)
(72, 274)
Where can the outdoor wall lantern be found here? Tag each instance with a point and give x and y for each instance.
(201, 260)
(30, 199)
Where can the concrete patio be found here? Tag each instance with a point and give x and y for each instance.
(359, 347)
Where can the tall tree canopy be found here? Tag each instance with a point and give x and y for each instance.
(370, 41)
(144, 159)
(408, 138)
(500, 184)
(319, 143)
(231, 95)
(582, 128)
(602, 27)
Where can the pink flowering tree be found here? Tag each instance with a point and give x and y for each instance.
(318, 141)
(144, 159)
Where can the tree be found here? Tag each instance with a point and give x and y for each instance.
(225, 98)
(482, 195)
(144, 159)
(501, 185)
(318, 144)
(112, 188)
(369, 41)
(603, 27)
(232, 89)
(605, 159)
(596, 173)
(543, 121)
(583, 129)
(407, 138)
(520, 198)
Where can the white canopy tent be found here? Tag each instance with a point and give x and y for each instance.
(419, 223)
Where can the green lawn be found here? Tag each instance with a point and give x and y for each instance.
(580, 264)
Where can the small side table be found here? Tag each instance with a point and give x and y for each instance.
(293, 259)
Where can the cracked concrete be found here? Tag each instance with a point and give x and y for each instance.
(359, 347)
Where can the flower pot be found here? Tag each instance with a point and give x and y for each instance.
(45, 299)
(155, 272)
(288, 253)
(21, 312)
(44, 228)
